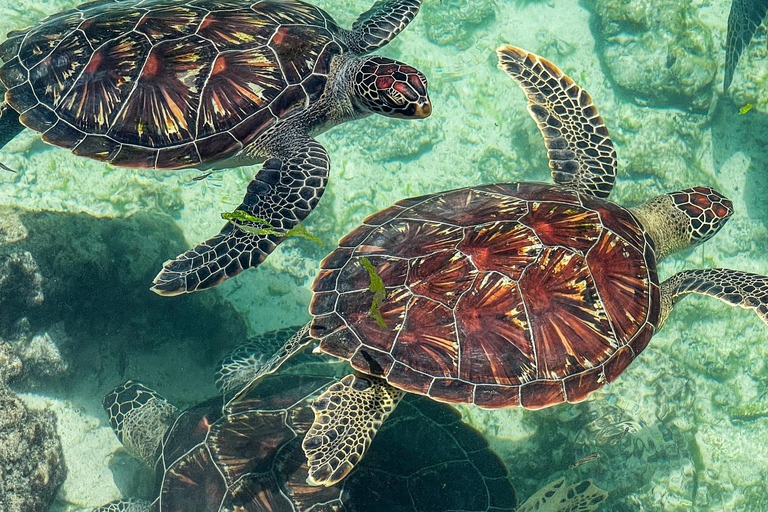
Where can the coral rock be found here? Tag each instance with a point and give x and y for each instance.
(31, 459)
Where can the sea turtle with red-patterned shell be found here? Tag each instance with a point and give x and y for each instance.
(170, 84)
(513, 294)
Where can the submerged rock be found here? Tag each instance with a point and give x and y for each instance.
(31, 459)
(452, 22)
(659, 51)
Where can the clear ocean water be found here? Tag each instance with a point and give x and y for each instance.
(683, 428)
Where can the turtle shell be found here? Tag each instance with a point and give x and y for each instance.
(519, 294)
(167, 84)
(249, 458)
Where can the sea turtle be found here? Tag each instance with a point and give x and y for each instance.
(247, 456)
(513, 294)
(170, 84)
(743, 19)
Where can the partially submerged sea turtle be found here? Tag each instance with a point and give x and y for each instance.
(514, 294)
(170, 84)
(247, 456)
(744, 18)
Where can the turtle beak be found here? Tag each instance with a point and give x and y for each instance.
(423, 109)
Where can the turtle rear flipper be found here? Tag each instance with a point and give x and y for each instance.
(743, 20)
(248, 359)
(580, 151)
(282, 194)
(734, 287)
(380, 24)
(557, 497)
(249, 362)
(347, 416)
(127, 505)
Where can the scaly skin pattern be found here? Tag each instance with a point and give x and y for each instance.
(734, 287)
(679, 220)
(580, 151)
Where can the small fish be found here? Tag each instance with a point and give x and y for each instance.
(202, 176)
(746, 108)
(6, 168)
(624, 433)
(588, 458)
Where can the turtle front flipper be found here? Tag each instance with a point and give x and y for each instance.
(281, 195)
(734, 287)
(580, 151)
(380, 24)
(10, 126)
(743, 20)
(127, 505)
(347, 416)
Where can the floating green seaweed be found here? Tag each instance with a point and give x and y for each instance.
(237, 217)
(754, 409)
(746, 108)
(379, 292)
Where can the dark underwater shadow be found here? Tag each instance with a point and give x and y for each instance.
(94, 277)
(732, 133)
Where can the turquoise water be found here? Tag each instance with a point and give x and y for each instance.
(683, 428)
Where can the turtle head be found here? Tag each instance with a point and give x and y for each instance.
(391, 88)
(684, 218)
(139, 417)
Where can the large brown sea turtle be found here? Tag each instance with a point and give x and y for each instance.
(247, 457)
(514, 294)
(169, 84)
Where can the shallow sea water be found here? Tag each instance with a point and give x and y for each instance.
(685, 426)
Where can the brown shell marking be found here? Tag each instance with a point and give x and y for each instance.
(569, 325)
(406, 239)
(495, 343)
(167, 84)
(192, 479)
(562, 224)
(617, 268)
(229, 30)
(427, 339)
(506, 247)
(542, 302)
(468, 207)
(93, 101)
(245, 434)
(166, 23)
(443, 276)
(241, 82)
(162, 108)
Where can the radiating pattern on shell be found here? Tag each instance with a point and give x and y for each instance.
(167, 84)
(524, 294)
